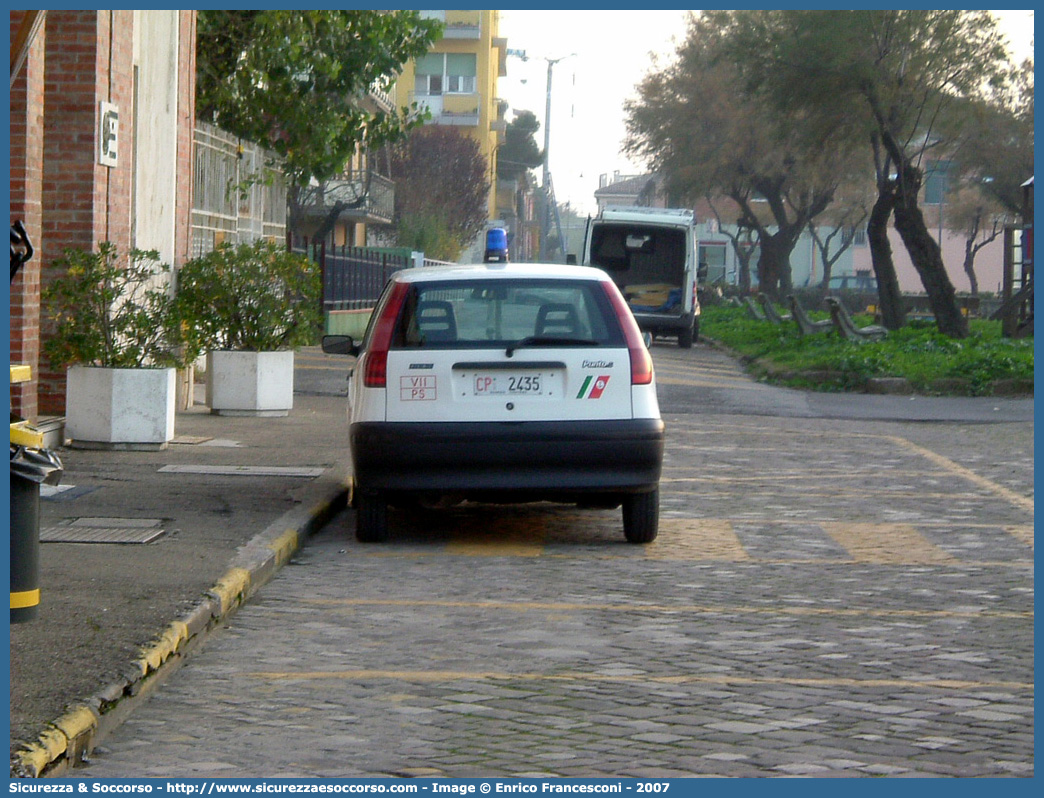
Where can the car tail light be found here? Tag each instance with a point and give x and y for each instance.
(376, 374)
(641, 360)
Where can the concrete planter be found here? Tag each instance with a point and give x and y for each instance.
(250, 383)
(120, 408)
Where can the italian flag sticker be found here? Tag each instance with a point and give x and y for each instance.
(593, 387)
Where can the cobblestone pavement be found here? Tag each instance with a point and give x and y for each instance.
(826, 598)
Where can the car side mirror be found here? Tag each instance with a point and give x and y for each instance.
(340, 345)
(570, 260)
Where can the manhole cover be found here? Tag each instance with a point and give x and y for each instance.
(104, 530)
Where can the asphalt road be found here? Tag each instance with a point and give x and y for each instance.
(836, 591)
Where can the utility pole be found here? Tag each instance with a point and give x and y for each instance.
(545, 227)
(549, 199)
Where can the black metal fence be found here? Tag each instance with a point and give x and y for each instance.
(352, 276)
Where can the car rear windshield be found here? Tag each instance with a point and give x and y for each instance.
(471, 314)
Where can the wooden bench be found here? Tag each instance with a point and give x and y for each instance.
(848, 329)
(805, 325)
(753, 310)
(770, 311)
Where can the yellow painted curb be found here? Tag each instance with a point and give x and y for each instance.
(48, 747)
(155, 655)
(232, 587)
(54, 742)
(77, 722)
(284, 546)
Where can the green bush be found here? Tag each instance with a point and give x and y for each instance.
(111, 312)
(253, 297)
(917, 352)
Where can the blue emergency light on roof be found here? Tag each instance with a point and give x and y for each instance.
(496, 245)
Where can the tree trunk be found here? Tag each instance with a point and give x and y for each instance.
(923, 249)
(927, 259)
(969, 266)
(744, 271)
(774, 265)
(889, 295)
(329, 221)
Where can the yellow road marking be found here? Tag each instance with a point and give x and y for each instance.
(886, 544)
(454, 676)
(1023, 534)
(706, 383)
(811, 476)
(672, 609)
(948, 464)
(696, 539)
(768, 490)
(514, 537)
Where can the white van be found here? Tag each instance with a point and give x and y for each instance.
(651, 254)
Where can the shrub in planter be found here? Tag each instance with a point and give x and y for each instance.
(251, 298)
(116, 331)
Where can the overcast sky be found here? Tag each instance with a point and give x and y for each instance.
(614, 50)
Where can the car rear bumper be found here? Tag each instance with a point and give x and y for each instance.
(664, 322)
(544, 458)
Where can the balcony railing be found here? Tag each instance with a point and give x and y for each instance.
(363, 196)
(450, 109)
(463, 25)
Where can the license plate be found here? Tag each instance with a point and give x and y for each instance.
(530, 383)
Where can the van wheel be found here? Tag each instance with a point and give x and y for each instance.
(641, 516)
(686, 337)
(371, 518)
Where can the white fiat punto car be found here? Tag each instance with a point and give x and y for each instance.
(503, 383)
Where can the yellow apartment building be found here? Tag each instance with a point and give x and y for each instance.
(457, 82)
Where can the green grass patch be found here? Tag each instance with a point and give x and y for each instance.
(918, 353)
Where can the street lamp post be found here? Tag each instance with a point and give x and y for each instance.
(545, 228)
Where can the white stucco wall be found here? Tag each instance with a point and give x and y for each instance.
(989, 263)
(155, 130)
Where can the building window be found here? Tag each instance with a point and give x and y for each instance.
(712, 256)
(937, 182)
(460, 73)
(429, 74)
(446, 73)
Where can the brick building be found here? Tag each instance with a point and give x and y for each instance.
(102, 114)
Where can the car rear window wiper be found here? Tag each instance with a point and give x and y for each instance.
(548, 340)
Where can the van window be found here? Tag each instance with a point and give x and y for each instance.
(645, 254)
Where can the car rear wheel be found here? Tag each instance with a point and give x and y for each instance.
(641, 516)
(686, 337)
(371, 518)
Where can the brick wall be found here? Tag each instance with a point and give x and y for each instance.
(66, 198)
(89, 59)
(26, 158)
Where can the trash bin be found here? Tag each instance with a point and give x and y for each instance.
(30, 468)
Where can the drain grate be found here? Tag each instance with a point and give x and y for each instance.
(190, 440)
(244, 471)
(104, 530)
(64, 492)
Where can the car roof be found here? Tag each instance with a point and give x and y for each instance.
(499, 271)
